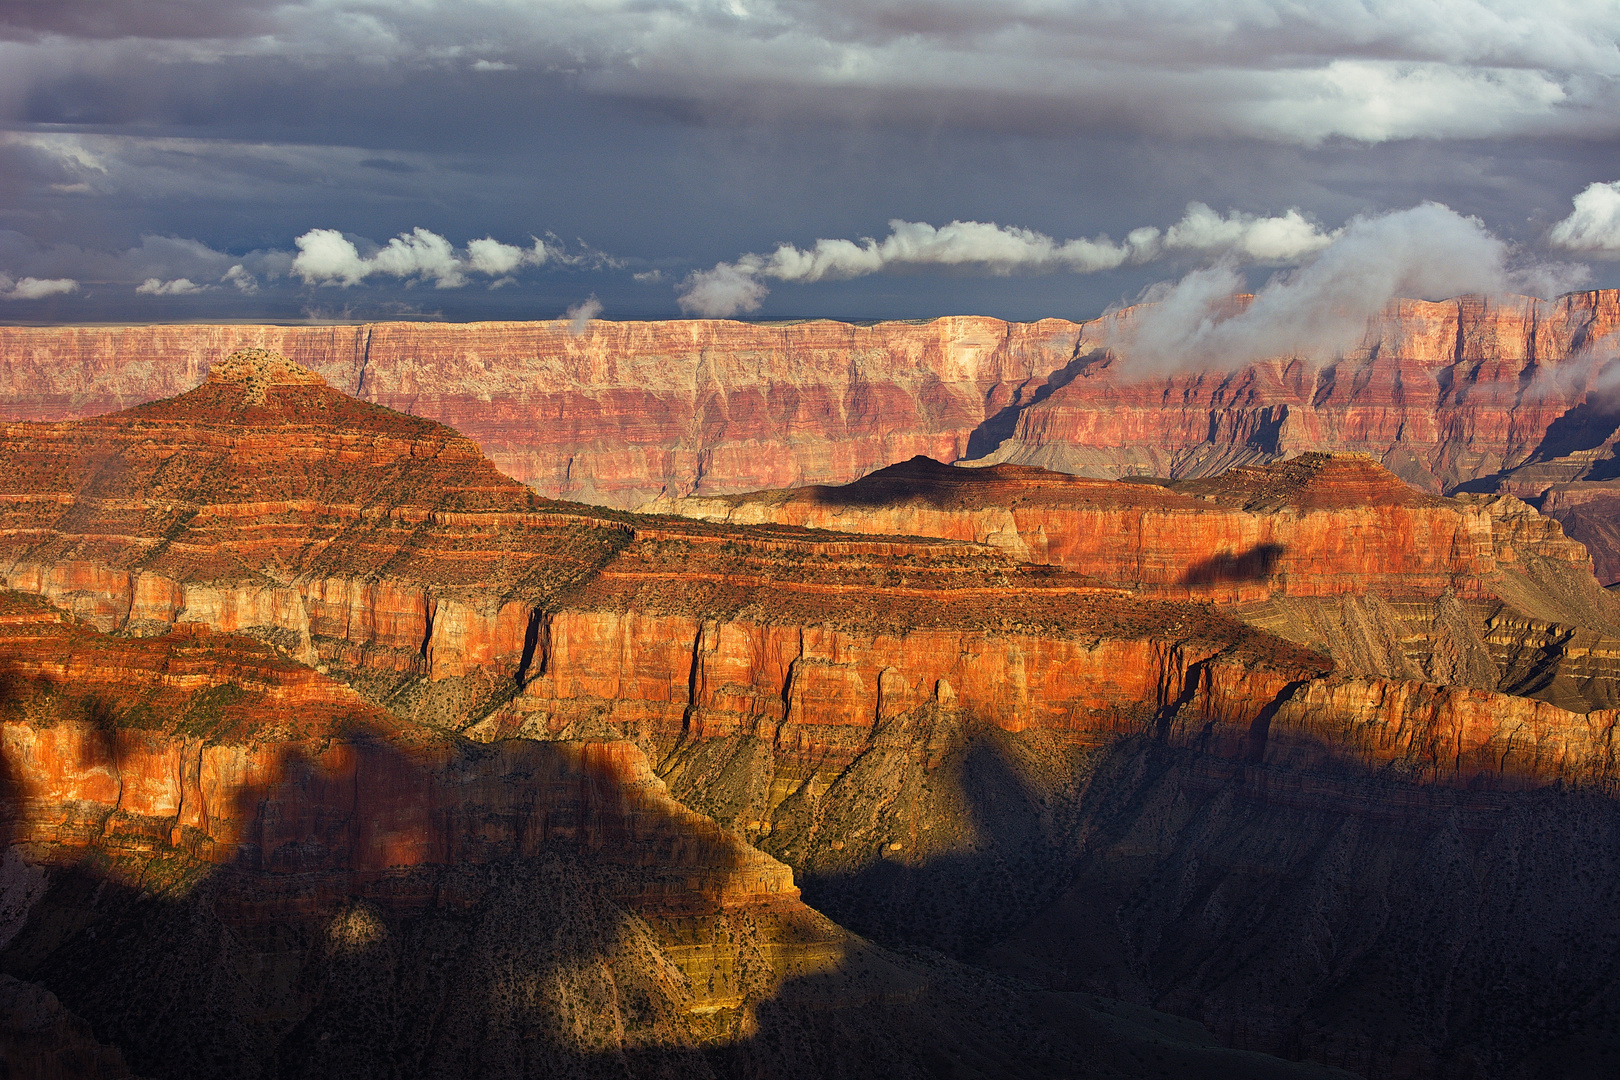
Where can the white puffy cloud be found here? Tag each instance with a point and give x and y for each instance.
(1594, 224)
(727, 289)
(245, 282)
(32, 288)
(1280, 240)
(178, 287)
(327, 257)
(490, 256)
(739, 286)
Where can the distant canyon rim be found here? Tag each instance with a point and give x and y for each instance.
(1473, 394)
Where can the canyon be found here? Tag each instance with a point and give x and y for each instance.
(1488, 394)
(237, 866)
(987, 763)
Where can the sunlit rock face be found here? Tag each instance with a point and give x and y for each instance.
(546, 777)
(1473, 392)
(214, 857)
(262, 850)
(617, 414)
(1440, 393)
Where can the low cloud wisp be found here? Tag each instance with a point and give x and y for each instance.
(1322, 308)
(328, 257)
(178, 287)
(580, 315)
(31, 288)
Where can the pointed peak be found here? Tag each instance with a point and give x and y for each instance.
(256, 369)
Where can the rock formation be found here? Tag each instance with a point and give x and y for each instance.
(616, 415)
(1330, 551)
(450, 706)
(237, 867)
(1473, 392)
(1441, 393)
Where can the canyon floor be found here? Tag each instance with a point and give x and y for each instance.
(326, 747)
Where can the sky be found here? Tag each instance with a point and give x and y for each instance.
(209, 160)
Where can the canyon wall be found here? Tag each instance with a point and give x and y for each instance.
(616, 415)
(1079, 761)
(1441, 393)
(221, 864)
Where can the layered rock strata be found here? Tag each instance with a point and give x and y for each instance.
(1441, 393)
(617, 414)
(198, 767)
(233, 866)
(941, 736)
(1331, 551)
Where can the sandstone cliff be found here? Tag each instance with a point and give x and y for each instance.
(1441, 393)
(1330, 551)
(616, 415)
(953, 743)
(235, 867)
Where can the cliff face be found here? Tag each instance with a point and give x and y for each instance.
(616, 415)
(1441, 393)
(221, 861)
(1320, 525)
(1332, 552)
(1463, 392)
(205, 779)
(264, 502)
(949, 738)
(217, 746)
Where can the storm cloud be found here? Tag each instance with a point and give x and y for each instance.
(887, 158)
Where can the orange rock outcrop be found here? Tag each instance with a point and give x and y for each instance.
(387, 548)
(1317, 525)
(627, 411)
(219, 747)
(932, 720)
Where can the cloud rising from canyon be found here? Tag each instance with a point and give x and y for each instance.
(1322, 309)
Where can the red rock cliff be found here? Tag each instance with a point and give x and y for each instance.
(616, 415)
(628, 411)
(1440, 393)
(1317, 525)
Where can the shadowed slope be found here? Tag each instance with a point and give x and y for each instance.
(233, 867)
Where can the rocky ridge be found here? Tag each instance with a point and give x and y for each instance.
(1330, 551)
(235, 865)
(948, 742)
(1475, 393)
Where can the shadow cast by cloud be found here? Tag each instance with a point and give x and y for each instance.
(359, 908)
(1255, 564)
(1193, 880)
